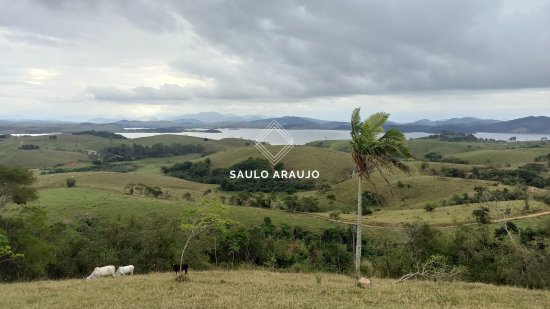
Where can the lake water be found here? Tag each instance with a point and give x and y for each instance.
(301, 137)
(275, 137)
(305, 136)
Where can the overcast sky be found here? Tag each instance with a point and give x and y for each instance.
(133, 59)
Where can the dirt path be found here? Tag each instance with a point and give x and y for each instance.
(442, 225)
(538, 214)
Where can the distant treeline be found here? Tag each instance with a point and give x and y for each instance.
(483, 195)
(29, 147)
(125, 152)
(508, 255)
(104, 134)
(524, 175)
(104, 167)
(202, 172)
(449, 136)
(436, 157)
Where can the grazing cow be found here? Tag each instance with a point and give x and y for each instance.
(176, 268)
(364, 282)
(125, 270)
(102, 272)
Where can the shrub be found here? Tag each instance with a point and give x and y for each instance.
(70, 182)
(433, 157)
(371, 198)
(28, 147)
(187, 196)
(482, 215)
(429, 207)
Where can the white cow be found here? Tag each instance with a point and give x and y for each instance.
(125, 270)
(102, 272)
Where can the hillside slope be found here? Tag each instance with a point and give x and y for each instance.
(262, 289)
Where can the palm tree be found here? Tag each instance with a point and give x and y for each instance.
(374, 151)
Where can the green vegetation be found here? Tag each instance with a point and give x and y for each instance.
(104, 134)
(71, 182)
(426, 218)
(201, 172)
(15, 186)
(104, 167)
(29, 147)
(449, 136)
(125, 152)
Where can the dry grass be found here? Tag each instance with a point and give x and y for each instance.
(424, 189)
(261, 289)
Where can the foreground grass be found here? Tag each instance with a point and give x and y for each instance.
(261, 289)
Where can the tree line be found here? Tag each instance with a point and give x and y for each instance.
(508, 255)
(203, 172)
(135, 151)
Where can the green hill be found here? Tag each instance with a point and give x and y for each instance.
(332, 165)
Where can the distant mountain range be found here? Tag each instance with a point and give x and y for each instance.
(454, 121)
(539, 124)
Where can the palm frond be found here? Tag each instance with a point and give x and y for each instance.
(376, 121)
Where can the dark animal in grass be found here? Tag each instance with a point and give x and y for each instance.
(176, 268)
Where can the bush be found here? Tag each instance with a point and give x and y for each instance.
(433, 157)
(142, 189)
(70, 182)
(371, 199)
(454, 160)
(429, 207)
(187, 197)
(28, 147)
(482, 215)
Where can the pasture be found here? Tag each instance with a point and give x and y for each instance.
(232, 289)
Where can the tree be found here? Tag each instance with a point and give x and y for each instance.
(6, 253)
(206, 215)
(374, 151)
(15, 185)
(482, 215)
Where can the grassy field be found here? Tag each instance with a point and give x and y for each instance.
(262, 289)
(96, 198)
(420, 147)
(102, 193)
(68, 149)
(513, 157)
(448, 215)
(332, 165)
(422, 190)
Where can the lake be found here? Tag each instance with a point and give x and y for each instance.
(302, 137)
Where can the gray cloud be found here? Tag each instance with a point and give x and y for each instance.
(357, 47)
(164, 92)
(235, 52)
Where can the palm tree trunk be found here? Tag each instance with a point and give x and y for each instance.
(358, 228)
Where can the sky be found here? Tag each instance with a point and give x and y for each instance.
(137, 59)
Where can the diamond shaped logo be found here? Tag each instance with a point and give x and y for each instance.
(274, 127)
